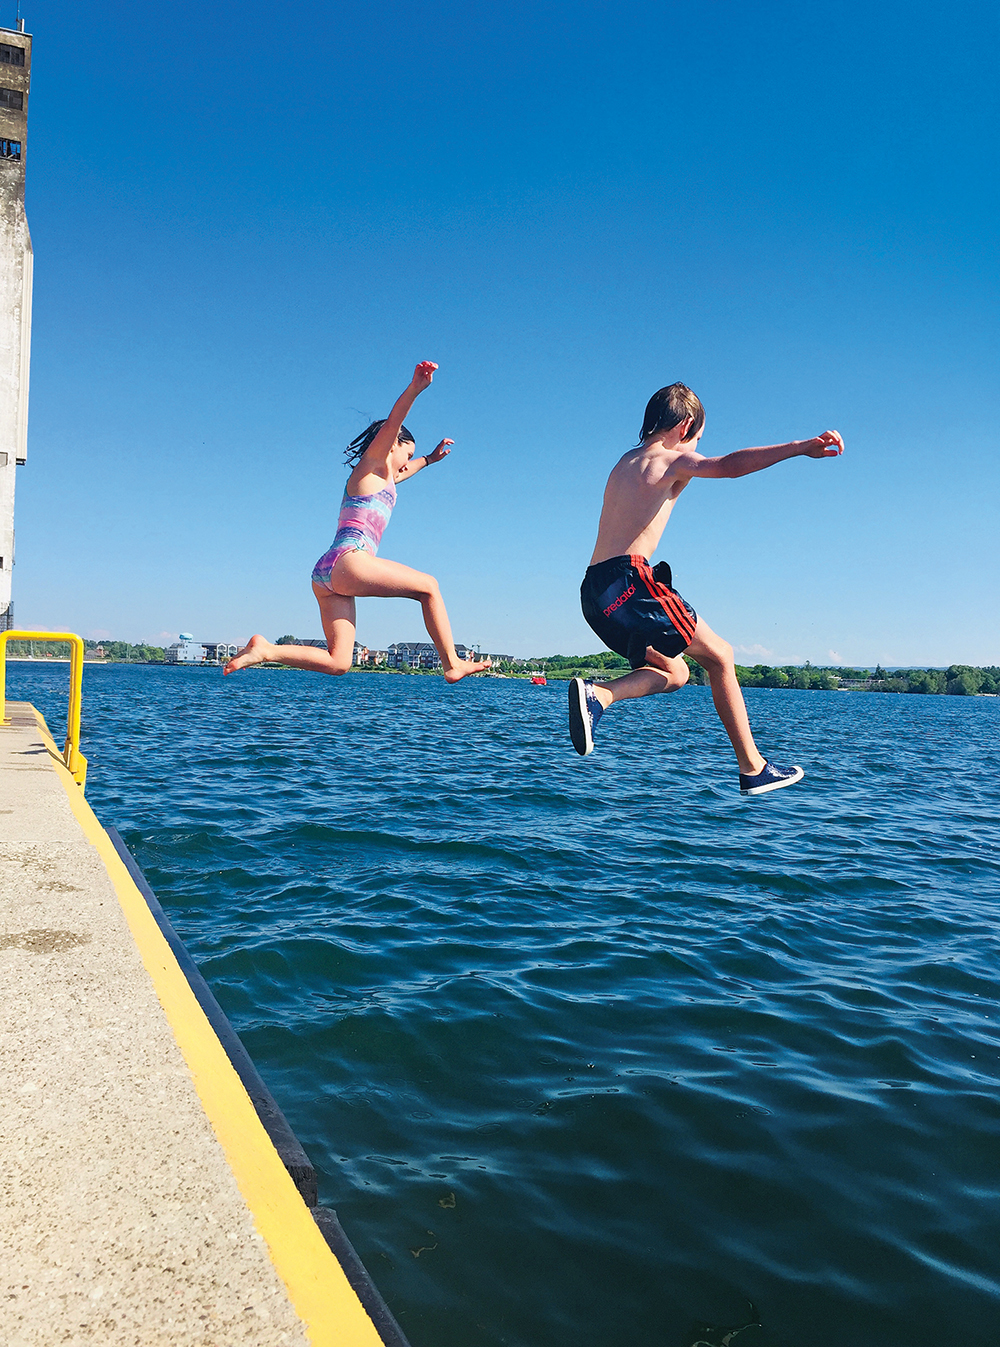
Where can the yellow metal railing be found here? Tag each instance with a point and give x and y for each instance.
(72, 756)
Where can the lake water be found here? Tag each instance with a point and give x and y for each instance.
(594, 1051)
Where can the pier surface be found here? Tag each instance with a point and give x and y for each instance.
(141, 1201)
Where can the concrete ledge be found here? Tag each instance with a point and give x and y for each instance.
(141, 1199)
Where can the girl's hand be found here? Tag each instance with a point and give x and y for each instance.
(423, 375)
(440, 452)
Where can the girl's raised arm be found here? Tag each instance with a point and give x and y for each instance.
(381, 446)
(423, 461)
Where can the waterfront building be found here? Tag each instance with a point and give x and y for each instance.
(15, 290)
(317, 643)
(402, 655)
(185, 651)
(422, 655)
(473, 652)
(217, 652)
(364, 655)
(412, 655)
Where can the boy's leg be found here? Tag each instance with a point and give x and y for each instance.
(716, 657)
(363, 576)
(658, 674)
(588, 701)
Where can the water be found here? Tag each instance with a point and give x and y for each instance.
(595, 1051)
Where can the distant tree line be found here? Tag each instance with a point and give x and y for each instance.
(576, 666)
(113, 650)
(123, 650)
(26, 649)
(960, 680)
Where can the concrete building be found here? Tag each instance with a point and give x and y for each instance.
(15, 290)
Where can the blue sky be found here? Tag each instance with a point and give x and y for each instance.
(250, 222)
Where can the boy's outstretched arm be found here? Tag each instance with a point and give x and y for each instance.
(744, 461)
(419, 461)
(381, 445)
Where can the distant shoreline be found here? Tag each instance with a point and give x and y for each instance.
(911, 680)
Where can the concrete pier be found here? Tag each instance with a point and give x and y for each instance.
(141, 1199)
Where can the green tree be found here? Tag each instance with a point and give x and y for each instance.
(38, 649)
(926, 681)
(963, 681)
(285, 640)
(698, 675)
(824, 680)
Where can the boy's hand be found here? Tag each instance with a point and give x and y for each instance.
(423, 375)
(440, 452)
(827, 445)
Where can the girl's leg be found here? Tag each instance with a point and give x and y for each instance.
(360, 575)
(337, 613)
(716, 657)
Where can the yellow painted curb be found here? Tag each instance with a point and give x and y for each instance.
(316, 1283)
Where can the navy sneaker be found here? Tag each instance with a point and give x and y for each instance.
(772, 777)
(584, 713)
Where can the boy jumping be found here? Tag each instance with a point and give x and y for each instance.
(633, 606)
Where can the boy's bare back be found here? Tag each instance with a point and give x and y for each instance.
(645, 483)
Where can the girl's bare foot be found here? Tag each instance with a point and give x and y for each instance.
(256, 650)
(463, 668)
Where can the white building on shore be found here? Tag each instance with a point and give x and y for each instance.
(185, 651)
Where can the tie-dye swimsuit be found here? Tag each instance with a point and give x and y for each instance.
(359, 529)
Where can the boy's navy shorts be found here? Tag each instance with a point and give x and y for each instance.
(632, 605)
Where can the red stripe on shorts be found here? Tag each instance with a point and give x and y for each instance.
(667, 599)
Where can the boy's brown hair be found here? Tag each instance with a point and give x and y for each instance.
(668, 408)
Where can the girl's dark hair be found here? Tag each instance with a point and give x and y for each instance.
(354, 451)
(668, 408)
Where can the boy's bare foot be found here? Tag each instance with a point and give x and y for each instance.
(256, 651)
(465, 667)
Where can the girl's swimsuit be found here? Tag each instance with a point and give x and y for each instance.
(359, 529)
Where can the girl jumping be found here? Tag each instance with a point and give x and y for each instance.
(382, 456)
